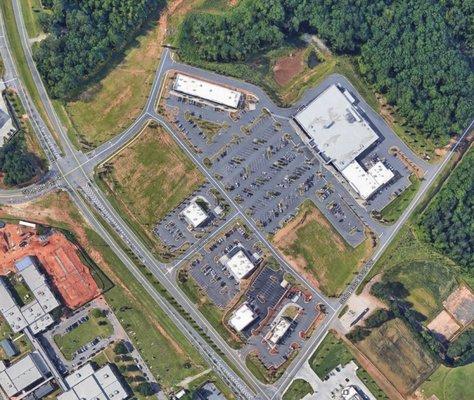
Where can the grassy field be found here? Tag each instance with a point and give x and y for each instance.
(212, 313)
(167, 352)
(449, 383)
(428, 275)
(318, 251)
(113, 103)
(20, 59)
(395, 208)
(31, 10)
(297, 390)
(94, 327)
(330, 353)
(397, 354)
(147, 179)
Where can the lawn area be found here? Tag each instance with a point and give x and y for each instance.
(317, 251)
(22, 291)
(210, 311)
(297, 390)
(113, 103)
(95, 326)
(147, 179)
(31, 10)
(391, 212)
(164, 348)
(396, 353)
(330, 353)
(449, 383)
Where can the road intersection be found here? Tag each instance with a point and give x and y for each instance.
(73, 170)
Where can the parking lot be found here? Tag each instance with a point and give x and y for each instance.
(174, 231)
(277, 299)
(268, 169)
(263, 164)
(267, 294)
(213, 277)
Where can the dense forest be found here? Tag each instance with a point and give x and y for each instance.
(17, 164)
(448, 222)
(418, 53)
(83, 35)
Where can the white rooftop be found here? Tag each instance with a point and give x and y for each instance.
(381, 173)
(79, 375)
(279, 331)
(240, 265)
(87, 384)
(336, 127)
(194, 214)
(35, 313)
(367, 182)
(207, 91)
(7, 129)
(10, 311)
(24, 373)
(242, 317)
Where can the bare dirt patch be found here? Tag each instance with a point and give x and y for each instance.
(357, 304)
(288, 67)
(445, 325)
(460, 304)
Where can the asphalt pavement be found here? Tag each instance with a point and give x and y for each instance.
(73, 170)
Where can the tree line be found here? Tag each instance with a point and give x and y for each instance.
(418, 53)
(448, 221)
(83, 36)
(17, 164)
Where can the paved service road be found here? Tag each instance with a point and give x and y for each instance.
(72, 170)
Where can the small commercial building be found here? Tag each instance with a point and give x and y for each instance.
(8, 348)
(366, 183)
(208, 391)
(242, 317)
(23, 376)
(34, 314)
(88, 384)
(353, 393)
(209, 92)
(238, 263)
(195, 215)
(278, 331)
(7, 126)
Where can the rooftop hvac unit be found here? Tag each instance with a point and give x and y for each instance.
(328, 124)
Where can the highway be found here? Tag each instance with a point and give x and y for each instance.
(72, 170)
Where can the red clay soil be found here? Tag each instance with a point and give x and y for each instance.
(286, 68)
(59, 258)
